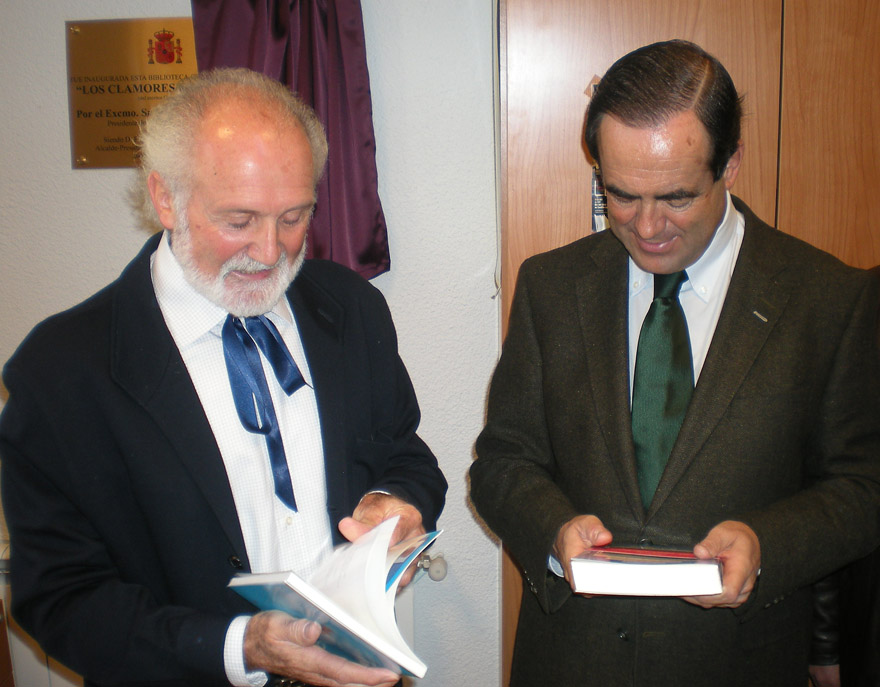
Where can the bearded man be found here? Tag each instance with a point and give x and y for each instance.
(224, 406)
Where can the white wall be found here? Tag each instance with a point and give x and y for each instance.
(65, 233)
(431, 76)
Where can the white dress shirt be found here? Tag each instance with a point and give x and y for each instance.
(276, 537)
(701, 296)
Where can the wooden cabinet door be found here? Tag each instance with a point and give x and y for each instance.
(550, 52)
(829, 152)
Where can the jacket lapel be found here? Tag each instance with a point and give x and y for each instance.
(751, 310)
(320, 319)
(147, 364)
(602, 296)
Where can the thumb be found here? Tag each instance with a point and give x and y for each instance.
(304, 632)
(351, 529)
(710, 547)
(599, 535)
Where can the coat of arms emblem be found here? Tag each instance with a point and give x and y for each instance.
(165, 49)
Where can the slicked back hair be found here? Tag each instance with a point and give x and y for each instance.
(648, 86)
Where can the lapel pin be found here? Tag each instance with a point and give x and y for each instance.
(759, 316)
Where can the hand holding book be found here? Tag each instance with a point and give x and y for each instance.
(720, 572)
(279, 644)
(576, 536)
(736, 545)
(377, 507)
(351, 597)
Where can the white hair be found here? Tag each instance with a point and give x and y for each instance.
(168, 136)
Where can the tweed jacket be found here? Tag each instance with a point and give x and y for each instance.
(782, 433)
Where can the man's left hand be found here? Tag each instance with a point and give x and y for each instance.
(375, 508)
(825, 676)
(736, 545)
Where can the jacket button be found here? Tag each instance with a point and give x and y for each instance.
(235, 562)
(622, 635)
(644, 541)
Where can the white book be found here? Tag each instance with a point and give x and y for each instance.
(644, 572)
(351, 595)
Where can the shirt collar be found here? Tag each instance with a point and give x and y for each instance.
(188, 314)
(708, 273)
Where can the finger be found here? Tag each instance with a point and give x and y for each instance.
(303, 632)
(732, 597)
(600, 536)
(351, 529)
(702, 551)
(407, 576)
(322, 668)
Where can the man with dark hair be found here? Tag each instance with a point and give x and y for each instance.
(663, 79)
(691, 380)
(222, 407)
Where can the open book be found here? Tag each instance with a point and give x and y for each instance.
(644, 572)
(351, 595)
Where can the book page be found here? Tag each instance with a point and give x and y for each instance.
(354, 577)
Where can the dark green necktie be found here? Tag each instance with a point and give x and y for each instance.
(662, 383)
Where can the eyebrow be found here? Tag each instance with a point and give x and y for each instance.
(678, 194)
(609, 188)
(247, 211)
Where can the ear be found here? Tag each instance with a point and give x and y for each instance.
(732, 169)
(162, 200)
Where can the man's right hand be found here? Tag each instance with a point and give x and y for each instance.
(578, 535)
(276, 643)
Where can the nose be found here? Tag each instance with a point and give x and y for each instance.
(265, 246)
(649, 221)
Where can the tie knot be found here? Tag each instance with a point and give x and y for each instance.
(667, 285)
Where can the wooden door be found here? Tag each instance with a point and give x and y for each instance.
(829, 179)
(6, 677)
(550, 52)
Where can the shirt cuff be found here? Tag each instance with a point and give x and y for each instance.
(233, 656)
(555, 566)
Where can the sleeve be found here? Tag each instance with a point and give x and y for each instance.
(68, 590)
(840, 510)
(233, 657)
(512, 483)
(403, 465)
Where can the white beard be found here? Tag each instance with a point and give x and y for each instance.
(242, 298)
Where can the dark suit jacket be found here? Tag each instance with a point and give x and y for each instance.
(846, 622)
(783, 433)
(124, 532)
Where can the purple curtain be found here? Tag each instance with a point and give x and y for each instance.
(317, 48)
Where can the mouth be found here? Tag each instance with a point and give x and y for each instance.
(256, 275)
(655, 247)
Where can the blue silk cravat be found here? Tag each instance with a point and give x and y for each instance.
(242, 343)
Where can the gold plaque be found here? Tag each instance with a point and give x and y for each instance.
(117, 70)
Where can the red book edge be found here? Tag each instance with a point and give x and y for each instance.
(659, 553)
